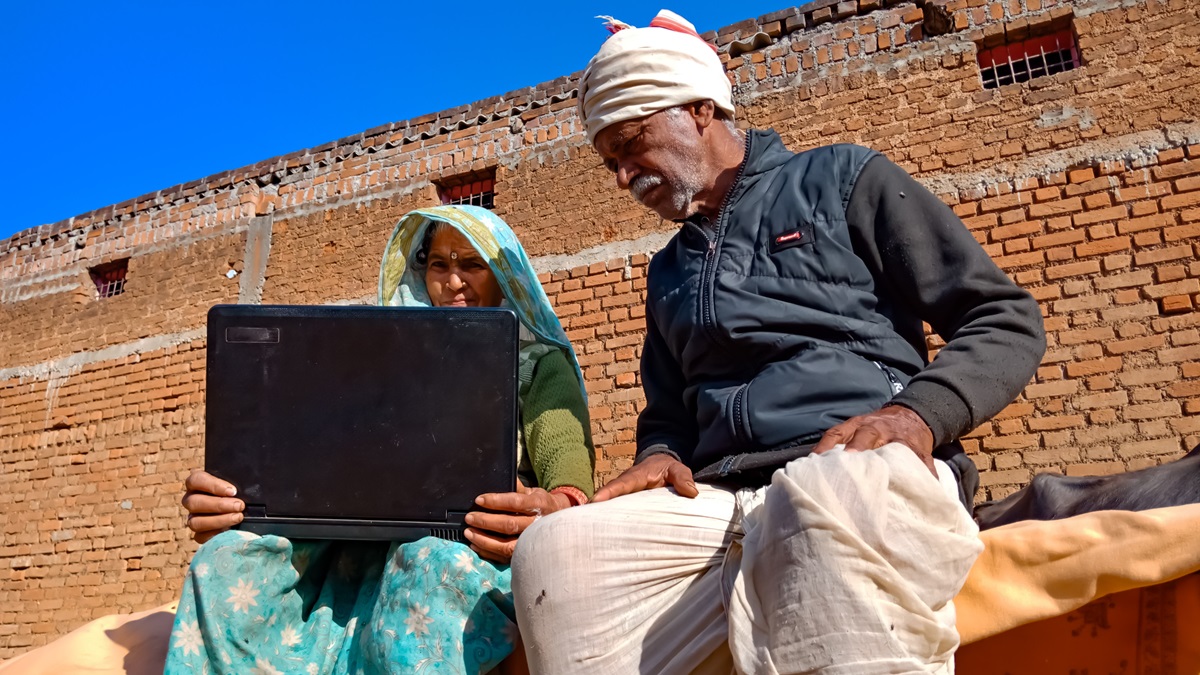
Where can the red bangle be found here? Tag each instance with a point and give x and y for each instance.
(572, 493)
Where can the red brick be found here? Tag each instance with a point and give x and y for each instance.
(1103, 246)
(1186, 425)
(1018, 230)
(1085, 267)
(1058, 208)
(1009, 477)
(1055, 422)
(1134, 345)
(1095, 469)
(1021, 260)
(1152, 410)
(1094, 367)
(1085, 335)
(1003, 202)
(1059, 388)
(1147, 238)
(1162, 255)
(1182, 232)
(1154, 222)
(1081, 175)
(1047, 194)
(1089, 217)
(1146, 376)
(1082, 302)
(1176, 304)
(1186, 389)
(1139, 209)
(1186, 286)
(1180, 201)
(1130, 279)
(1188, 184)
(1176, 170)
(575, 296)
(1104, 400)
(1059, 239)
(602, 279)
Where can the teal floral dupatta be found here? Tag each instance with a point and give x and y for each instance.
(402, 283)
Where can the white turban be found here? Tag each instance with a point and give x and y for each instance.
(640, 71)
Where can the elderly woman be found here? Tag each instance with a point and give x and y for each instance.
(270, 605)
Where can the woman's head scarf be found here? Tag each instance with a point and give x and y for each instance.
(402, 275)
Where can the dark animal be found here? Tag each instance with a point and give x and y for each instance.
(1050, 496)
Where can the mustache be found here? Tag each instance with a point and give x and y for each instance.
(643, 184)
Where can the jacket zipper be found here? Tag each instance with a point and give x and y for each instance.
(739, 431)
(893, 381)
(708, 271)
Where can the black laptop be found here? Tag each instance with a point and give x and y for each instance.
(361, 422)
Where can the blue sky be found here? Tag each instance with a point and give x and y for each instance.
(101, 102)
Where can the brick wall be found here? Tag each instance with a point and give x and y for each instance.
(1084, 186)
(1110, 252)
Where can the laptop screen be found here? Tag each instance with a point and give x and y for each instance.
(391, 414)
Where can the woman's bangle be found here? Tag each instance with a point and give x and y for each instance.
(572, 493)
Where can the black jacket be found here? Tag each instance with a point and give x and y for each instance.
(802, 304)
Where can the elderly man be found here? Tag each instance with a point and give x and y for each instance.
(786, 313)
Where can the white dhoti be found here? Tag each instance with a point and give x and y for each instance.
(845, 563)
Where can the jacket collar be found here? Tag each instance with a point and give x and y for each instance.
(765, 152)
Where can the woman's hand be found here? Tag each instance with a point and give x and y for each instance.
(494, 535)
(210, 505)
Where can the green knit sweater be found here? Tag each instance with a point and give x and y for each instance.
(556, 429)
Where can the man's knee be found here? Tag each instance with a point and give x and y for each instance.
(549, 555)
(543, 544)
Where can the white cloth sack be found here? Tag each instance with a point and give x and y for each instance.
(847, 563)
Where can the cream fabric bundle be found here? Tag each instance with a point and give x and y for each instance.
(849, 565)
(640, 71)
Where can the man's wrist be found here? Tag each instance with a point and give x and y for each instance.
(942, 410)
(915, 417)
(900, 405)
(656, 449)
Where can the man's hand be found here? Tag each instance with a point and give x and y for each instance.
(210, 505)
(893, 424)
(494, 535)
(655, 471)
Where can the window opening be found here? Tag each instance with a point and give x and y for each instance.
(110, 278)
(477, 188)
(1024, 60)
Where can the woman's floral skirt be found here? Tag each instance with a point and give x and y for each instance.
(267, 605)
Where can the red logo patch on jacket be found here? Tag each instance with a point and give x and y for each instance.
(801, 236)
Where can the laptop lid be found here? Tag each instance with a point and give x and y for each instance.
(354, 420)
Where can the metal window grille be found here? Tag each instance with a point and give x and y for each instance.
(110, 278)
(1022, 61)
(481, 192)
